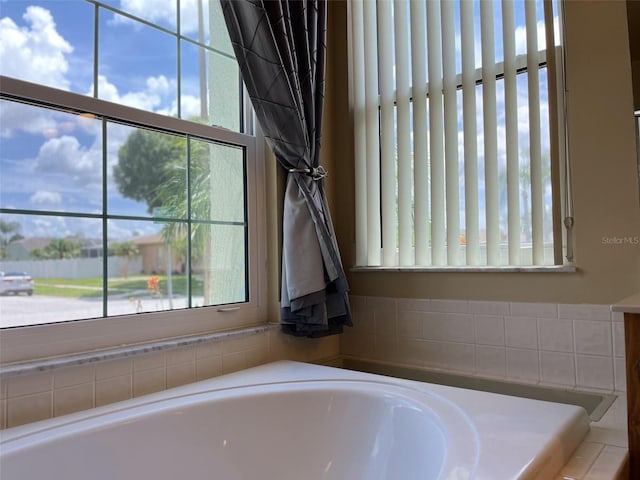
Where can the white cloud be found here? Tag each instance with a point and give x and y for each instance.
(151, 98)
(60, 227)
(25, 118)
(35, 53)
(164, 13)
(50, 227)
(189, 15)
(159, 85)
(151, 10)
(521, 38)
(47, 198)
(39, 53)
(65, 155)
(148, 99)
(191, 106)
(42, 121)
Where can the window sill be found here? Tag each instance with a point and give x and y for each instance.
(65, 361)
(470, 269)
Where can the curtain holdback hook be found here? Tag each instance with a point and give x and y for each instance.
(316, 173)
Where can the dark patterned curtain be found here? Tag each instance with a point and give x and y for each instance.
(280, 47)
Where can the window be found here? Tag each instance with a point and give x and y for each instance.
(457, 133)
(130, 182)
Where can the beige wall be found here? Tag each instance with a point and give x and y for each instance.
(635, 66)
(605, 181)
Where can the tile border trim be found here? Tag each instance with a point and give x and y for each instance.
(129, 351)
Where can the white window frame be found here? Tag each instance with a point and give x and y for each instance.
(20, 344)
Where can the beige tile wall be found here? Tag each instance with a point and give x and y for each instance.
(32, 397)
(567, 345)
(574, 346)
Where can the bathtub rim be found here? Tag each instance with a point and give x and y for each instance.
(533, 460)
(460, 439)
(608, 397)
(146, 406)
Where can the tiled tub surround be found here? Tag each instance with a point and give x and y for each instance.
(562, 345)
(557, 344)
(57, 390)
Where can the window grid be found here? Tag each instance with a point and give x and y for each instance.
(53, 99)
(73, 104)
(240, 125)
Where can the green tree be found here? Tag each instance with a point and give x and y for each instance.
(173, 194)
(62, 248)
(152, 167)
(127, 250)
(9, 232)
(145, 163)
(38, 253)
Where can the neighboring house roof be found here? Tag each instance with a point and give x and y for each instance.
(32, 243)
(153, 239)
(91, 244)
(21, 249)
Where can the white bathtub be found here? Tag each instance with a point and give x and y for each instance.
(290, 420)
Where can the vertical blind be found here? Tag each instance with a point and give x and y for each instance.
(455, 132)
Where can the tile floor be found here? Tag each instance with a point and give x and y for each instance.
(603, 453)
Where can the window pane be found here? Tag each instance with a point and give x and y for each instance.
(137, 65)
(521, 30)
(48, 42)
(50, 160)
(210, 80)
(226, 96)
(497, 24)
(194, 88)
(210, 87)
(218, 260)
(147, 266)
(218, 196)
(63, 258)
(146, 172)
(194, 19)
(217, 182)
(161, 13)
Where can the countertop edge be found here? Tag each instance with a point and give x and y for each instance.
(630, 304)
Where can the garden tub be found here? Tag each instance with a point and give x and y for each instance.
(292, 420)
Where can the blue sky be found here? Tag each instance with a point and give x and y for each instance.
(52, 160)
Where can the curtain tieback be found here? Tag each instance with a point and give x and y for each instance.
(316, 173)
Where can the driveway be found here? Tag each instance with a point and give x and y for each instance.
(21, 310)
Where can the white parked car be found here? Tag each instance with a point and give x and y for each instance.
(15, 282)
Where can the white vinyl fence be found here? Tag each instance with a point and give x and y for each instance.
(74, 268)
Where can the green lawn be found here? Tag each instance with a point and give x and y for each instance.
(133, 286)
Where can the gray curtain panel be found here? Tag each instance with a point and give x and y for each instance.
(280, 47)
